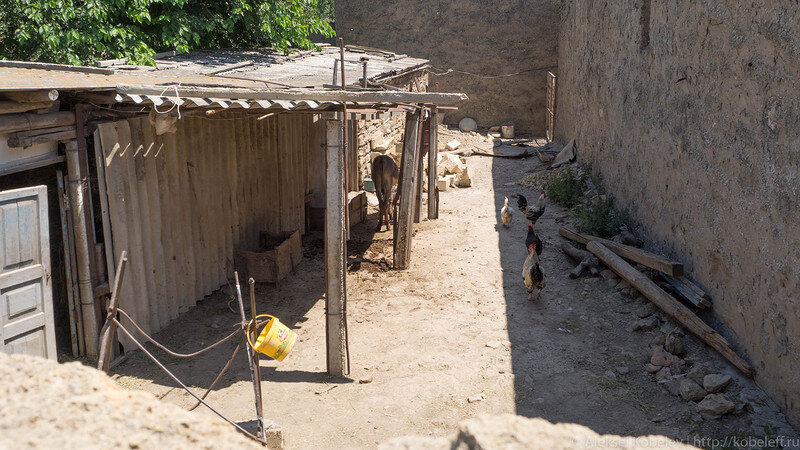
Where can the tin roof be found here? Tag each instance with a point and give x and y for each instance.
(247, 68)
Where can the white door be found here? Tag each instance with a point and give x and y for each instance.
(26, 298)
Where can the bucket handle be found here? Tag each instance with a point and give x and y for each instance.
(252, 323)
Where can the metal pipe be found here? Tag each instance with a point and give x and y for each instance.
(78, 191)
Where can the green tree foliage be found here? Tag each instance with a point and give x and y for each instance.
(83, 31)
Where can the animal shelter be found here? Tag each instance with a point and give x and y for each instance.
(195, 168)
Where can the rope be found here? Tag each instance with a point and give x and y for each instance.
(170, 352)
(174, 378)
(176, 103)
(449, 71)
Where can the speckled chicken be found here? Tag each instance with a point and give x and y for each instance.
(532, 273)
(532, 214)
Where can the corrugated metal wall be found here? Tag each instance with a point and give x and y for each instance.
(180, 203)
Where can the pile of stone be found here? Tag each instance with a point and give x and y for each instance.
(451, 169)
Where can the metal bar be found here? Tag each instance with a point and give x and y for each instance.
(66, 243)
(259, 400)
(107, 333)
(250, 352)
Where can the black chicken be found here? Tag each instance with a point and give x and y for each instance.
(532, 214)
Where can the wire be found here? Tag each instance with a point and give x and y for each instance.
(505, 75)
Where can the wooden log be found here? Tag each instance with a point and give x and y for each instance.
(40, 136)
(669, 305)
(406, 190)
(18, 122)
(11, 107)
(42, 95)
(335, 253)
(586, 260)
(433, 150)
(640, 256)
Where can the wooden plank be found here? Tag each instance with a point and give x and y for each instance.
(23, 139)
(669, 305)
(406, 189)
(638, 255)
(143, 213)
(51, 66)
(335, 253)
(433, 152)
(303, 94)
(423, 149)
(66, 242)
(687, 290)
(45, 161)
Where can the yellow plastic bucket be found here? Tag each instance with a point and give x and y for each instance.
(275, 340)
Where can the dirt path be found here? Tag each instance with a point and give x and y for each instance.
(456, 325)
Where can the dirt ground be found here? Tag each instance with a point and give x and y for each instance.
(456, 325)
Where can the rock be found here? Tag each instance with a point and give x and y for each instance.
(691, 391)
(365, 380)
(646, 310)
(608, 274)
(442, 184)
(674, 345)
(663, 374)
(650, 368)
(493, 344)
(380, 145)
(672, 386)
(650, 323)
(659, 339)
(755, 399)
(716, 382)
(463, 179)
(448, 163)
(715, 406)
(476, 398)
(697, 373)
(610, 375)
(611, 282)
(415, 443)
(623, 370)
(467, 124)
(451, 179)
(623, 285)
(452, 145)
(662, 358)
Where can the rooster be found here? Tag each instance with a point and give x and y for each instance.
(532, 273)
(532, 214)
(505, 214)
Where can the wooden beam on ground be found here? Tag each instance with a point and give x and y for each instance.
(301, 94)
(638, 255)
(19, 122)
(42, 95)
(335, 252)
(669, 305)
(407, 189)
(689, 290)
(433, 150)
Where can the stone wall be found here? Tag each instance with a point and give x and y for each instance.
(385, 133)
(690, 113)
(481, 37)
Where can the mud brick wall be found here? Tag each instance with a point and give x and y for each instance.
(691, 114)
(482, 37)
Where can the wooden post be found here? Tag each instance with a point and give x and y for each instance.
(433, 150)
(406, 190)
(669, 305)
(107, 333)
(424, 145)
(335, 251)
